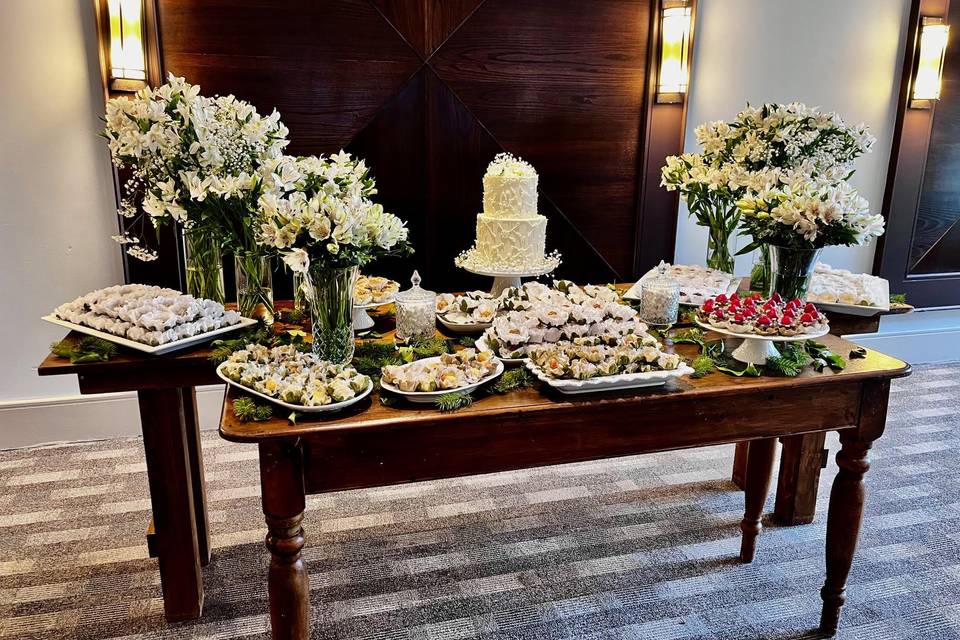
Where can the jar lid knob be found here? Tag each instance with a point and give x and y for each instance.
(415, 279)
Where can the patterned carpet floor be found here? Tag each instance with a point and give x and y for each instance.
(640, 547)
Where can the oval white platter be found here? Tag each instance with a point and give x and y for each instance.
(154, 350)
(431, 396)
(482, 346)
(457, 327)
(618, 382)
(758, 336)
(374, 305)
(334, 406)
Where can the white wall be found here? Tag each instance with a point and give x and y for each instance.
(843, 55)
(56, 189)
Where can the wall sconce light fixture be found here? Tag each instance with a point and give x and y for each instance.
(932, 45)
(124, 47)
(673, 76)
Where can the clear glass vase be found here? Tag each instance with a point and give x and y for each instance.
(204, 262)
(760, 273)
(299, 297)
(719, 255)
(254, 286)
(329, 300)
(790, 271)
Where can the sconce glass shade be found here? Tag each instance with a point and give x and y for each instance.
(933, 44)
(127, 59)
(674, 73)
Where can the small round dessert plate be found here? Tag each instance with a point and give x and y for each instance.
(482, 346)
(422, 397)
(756, 348)
(326, 408)
(361, 319)
(464, 327)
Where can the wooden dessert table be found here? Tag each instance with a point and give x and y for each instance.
(178, 534)
(371, 445)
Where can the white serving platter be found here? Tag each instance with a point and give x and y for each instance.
(851, 309)
(482, 346)
(431, 396)
(159, 349)
(633, 293)
(465, 327)
(327, 408)
(618, 382)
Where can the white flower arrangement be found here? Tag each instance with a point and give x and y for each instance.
(603, 355)
(317, 209)
(508, 165)
(810, 216)
(146, 314)
(294, 377)
(537, 314)
(450, 371)
(194, 160)
(776, 147)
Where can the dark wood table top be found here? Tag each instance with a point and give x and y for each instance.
(370, 413)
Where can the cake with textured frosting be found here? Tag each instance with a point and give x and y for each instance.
(511, 235)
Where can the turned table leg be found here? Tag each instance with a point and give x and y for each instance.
(195, 454)
(739, 474)
(760, 456)
(281, 481)
(801, 458)
(847, 499)
(171, 498)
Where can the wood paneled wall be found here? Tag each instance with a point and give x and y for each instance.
(428, 91)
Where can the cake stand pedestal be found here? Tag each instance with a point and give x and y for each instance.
(504, 279)
(361, 319)
(755, 349)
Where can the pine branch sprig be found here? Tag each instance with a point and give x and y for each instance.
(246, 410)
(453, 401)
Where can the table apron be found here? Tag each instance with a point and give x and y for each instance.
(410, 452)
(145, 379)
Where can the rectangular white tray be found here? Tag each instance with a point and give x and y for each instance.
(610, 383)
(850, 309)
(633, 293)
(146, 348)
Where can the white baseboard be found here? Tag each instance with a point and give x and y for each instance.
(25, 423)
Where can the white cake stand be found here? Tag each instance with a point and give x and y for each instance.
(755, 349)
(361, 319)
(505, 278)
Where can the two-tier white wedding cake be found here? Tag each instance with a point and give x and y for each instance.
(511, 235)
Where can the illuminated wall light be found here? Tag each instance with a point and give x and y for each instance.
(674, 73)
(929, 74)
(127, 64)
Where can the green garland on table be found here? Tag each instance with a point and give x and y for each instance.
(898, 298)
(220, 350)
(793, 358)
(84, 350)
(246, 410)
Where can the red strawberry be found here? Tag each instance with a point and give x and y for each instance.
(718, 314)
(786, 319)
(810, 308)
(806, 318)
(721, 298)
(776, 297)
(797, 302)
(734, 298)
(708, 305)
(764, 321)
(739, 317)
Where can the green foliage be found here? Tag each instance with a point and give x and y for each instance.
(688, 336)
(749, 370)
(898, 298)
(220, 350)
(822, 356)
(702, 365)
(246, 410)
(84, 350)
(453, 401)
(468, 341)
(858, 353)
(513, 379)
(791, 361)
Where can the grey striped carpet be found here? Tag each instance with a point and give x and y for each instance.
(640, 547)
